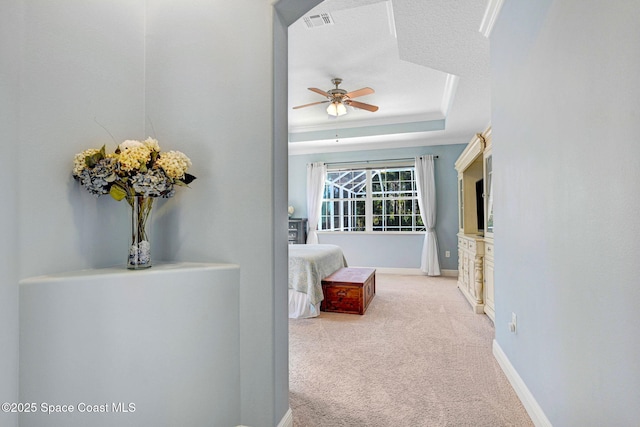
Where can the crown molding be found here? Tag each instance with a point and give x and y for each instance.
(490, 16)
(368, 131)
(450, 86)
(380, 142)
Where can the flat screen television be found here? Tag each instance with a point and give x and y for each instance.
(480, 204)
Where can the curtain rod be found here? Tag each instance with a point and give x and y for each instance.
(374, 161)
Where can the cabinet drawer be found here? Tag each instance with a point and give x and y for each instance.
(488, 249)
(342, 292)
(472, 245)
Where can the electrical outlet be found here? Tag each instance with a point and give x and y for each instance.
(447, 254)
(513, 325)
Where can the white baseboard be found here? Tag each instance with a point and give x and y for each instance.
(400, 271)
(287, 420)
(528, 401)
(412, 271)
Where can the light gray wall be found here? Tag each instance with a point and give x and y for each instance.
(566, 109)
(210, 91)
(285, 13)
(63, 65)
(10, 41)
(280, 242)
(391, 251)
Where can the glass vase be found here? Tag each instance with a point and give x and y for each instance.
(140, 247)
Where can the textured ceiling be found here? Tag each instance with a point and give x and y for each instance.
(425, 59)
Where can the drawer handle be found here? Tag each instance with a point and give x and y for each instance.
(341, 293)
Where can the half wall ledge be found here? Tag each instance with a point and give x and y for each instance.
(131, 348)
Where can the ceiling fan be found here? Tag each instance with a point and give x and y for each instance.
(338, 98)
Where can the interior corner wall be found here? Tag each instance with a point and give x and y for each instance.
(63, 65)
(81, 68)
(204, 88)
(565, 122)
(10, 42)
(210, 93)
(390, 251)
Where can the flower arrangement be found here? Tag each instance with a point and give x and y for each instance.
(138, 172)
(136, 168)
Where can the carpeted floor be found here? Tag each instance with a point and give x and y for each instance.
(418, 357)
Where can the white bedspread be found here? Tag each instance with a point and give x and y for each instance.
(308, 265)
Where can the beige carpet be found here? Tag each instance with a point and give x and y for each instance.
(418, 357)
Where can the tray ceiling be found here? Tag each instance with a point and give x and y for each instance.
(426, 60)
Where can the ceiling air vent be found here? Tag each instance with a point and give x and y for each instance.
(319, 20)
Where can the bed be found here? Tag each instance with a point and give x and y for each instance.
(308, 265)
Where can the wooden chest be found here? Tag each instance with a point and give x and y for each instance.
(349, 290)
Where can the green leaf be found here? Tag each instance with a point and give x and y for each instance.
(142, 168)
(93, 160)
(117, 192)
(89, 161)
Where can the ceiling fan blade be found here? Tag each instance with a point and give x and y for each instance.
(319, 91)
(362, 105)
(309, 105)
(360, 92)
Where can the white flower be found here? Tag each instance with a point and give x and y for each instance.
(130, 143)
(152, 144)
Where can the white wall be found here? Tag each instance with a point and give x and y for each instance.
(566, 109)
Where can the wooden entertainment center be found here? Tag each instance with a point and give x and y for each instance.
(475, 228)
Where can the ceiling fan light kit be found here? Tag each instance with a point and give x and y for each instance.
(340, 98)
(336, 109)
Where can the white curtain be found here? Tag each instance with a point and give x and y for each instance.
(316, 176)
(426, 186)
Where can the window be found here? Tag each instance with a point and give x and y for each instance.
(383, 199)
